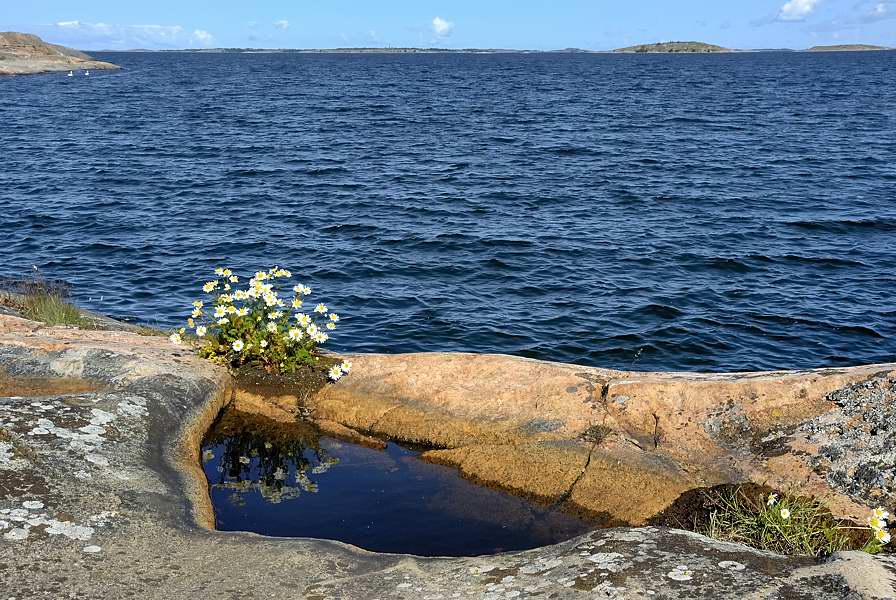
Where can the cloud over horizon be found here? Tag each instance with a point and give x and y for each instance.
(282, 24)
(441, 27)
(106, 36)
(797, 10)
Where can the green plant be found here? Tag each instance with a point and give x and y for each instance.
(256, 325)
(52, 310)
(792, 525)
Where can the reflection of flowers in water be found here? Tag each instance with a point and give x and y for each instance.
(277, 469)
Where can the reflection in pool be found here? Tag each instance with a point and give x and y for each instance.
(287, 480)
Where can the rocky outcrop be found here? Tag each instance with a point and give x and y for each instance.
(24, 53)
(102, 495)
(626, 444)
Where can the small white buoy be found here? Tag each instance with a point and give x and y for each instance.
(70, 74)
(86, 73)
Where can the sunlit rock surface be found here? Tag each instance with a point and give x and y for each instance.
(24, 53)
(102, 496)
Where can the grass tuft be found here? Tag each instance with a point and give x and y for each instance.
(791, 525)
(52, 310)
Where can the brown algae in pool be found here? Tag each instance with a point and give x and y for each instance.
(290, 481)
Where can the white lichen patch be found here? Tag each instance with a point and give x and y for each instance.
(17, 534)
(134, 406)
(97, 459)
(33, 504)
(541, 565)
(100, 417)
(6, 453)
(609, 561)
(732, 565)
(680, 573)
(91, 549)
(69, 530)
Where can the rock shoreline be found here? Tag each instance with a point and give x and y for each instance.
(26, 54)
(101, 481)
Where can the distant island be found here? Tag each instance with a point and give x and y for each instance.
(848, 48)
(674, 48)
(24, 54)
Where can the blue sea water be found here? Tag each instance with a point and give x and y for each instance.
(648, 211)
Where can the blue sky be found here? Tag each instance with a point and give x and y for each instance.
(533, 24)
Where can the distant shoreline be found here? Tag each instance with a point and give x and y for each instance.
(476, 51)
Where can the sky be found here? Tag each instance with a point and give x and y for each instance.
(520, 24)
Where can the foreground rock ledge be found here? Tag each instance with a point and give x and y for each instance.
(102, 497)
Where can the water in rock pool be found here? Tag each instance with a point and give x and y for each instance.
(694, 212)
(293, 482)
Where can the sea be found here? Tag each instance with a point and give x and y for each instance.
(649, 212)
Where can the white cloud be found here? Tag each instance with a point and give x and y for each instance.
(105, 36)
(281, 24)
(202, 38)
(797, 10)
(441, 27)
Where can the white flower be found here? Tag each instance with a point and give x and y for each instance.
(346, 366)
(220, 311)
(335, 373)
(275, 315)
(334, 317)
(263, 343)
(312, 330)
(881, 514)
(242, 312)
(321, 308)
(201, 331)
(882, 536)
(245, 460)
(785, 514)
(279, 474)
(772, 498)
(175, 338)
(238, 345)
(295, 334)
(197, 312)
(331, 326)
(272, 327)
(219, 271)
(296, 303)
(240, 295)
(197, 304)
(876, 523)
(303, 319)
(270, 299)
(209, 286)
(223, 321)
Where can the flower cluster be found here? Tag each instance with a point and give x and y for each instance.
(255, 324)
(878, 523)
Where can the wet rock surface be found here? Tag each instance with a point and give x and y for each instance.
(102, 496)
